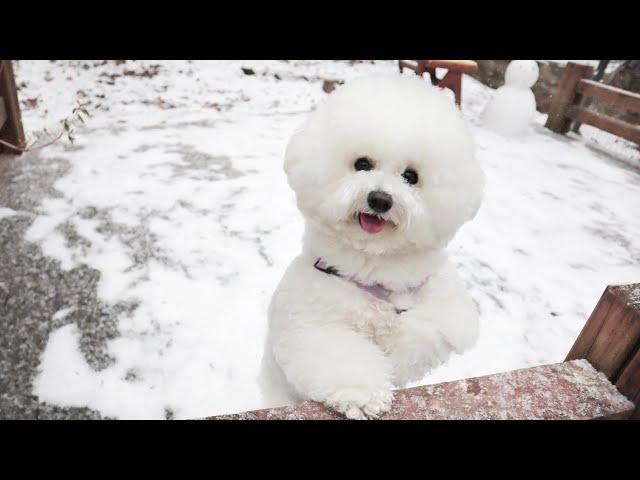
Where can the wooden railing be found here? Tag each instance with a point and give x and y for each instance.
(600, 379)
(574, 85)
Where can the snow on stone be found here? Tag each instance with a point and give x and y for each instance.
(176, 194)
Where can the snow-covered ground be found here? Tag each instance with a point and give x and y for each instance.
(176, 195)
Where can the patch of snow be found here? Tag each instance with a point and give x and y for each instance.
(7, 212)
(62, 314)
(69, 381)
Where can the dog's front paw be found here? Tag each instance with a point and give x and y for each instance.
(417, 349)
(361, 403)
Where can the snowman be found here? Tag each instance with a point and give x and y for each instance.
(511, 109)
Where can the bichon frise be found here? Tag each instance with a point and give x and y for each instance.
(384, 174)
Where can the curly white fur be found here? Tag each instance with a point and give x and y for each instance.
(329, 340)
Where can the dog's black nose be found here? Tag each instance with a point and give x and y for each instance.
(379, 202)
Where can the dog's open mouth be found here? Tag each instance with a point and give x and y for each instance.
(371, 223)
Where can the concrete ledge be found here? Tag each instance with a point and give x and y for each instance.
(571, 390)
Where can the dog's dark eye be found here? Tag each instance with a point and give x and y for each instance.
(363, 163)
(411, 176)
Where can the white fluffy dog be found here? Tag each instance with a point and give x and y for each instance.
(384, 174)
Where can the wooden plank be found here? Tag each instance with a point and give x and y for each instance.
(610, 340)
(464, 66)
(612, 96)
(592, 327)
(599, 329)
(615, 343)
(612, 125)
(569, 390)
(402, 64)
(12, 131)
(566, 95)
(3, 113)
(628, 382)
(612, 332)
(453, 81)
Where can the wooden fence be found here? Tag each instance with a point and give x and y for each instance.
(600, 379)
(11, 130)
(574, 85)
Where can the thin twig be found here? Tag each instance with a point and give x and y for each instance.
(31, 148)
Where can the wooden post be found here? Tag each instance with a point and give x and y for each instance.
(12, 130)
(451, 80)
(566, 96)
(610, 340)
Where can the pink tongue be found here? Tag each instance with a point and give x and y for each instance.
(371, 223)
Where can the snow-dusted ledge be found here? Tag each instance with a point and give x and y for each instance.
(571, 390)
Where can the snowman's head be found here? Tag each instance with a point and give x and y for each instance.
(521, 73)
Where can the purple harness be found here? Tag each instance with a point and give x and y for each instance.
(377, 290)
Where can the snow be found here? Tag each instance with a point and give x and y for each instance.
(513, 105)
(70, 382)
(62, 314)
(7, 212)
(176, 189)
(521, 73)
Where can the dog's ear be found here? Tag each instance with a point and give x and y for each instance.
(458, 203)
(307, 142)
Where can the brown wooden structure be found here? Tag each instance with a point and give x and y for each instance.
(610, 340)
(451, 80)
(600, 379)
(576, 84)
(11, 130)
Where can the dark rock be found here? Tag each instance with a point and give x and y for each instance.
(248, 71)
(329, 86)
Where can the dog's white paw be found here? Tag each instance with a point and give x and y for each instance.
(416, 350)
(361, 403)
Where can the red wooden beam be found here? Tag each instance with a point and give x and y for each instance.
(564, 391)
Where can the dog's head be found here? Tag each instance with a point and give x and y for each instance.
(386, 164)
